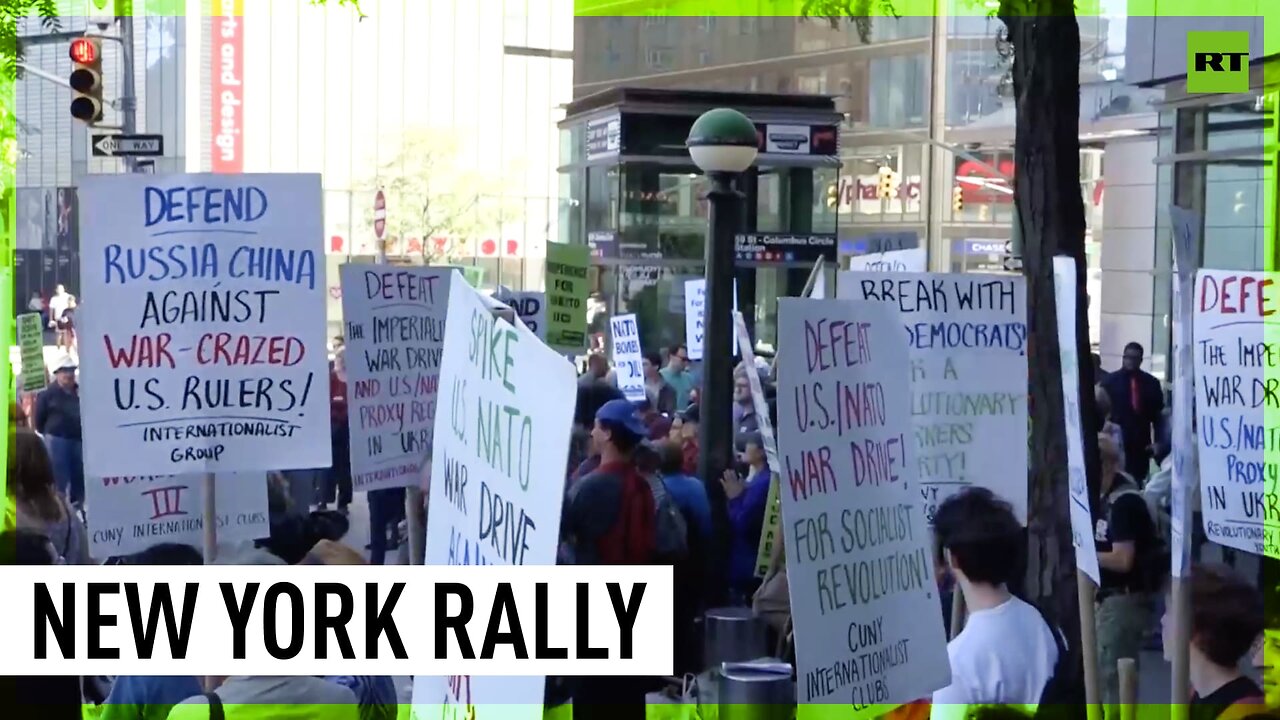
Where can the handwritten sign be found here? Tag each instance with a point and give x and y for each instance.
(1064, 297)
(695, 309)
(912, 260)
(130, 514)
(212, 356)
(567, 267)
(1186, 225)
(530, 307)
(773, 506)
(627, 357)
(859, 556)
(497, 476)
(1237, 353)
(395, 320)
(31, 342)
(967, 335)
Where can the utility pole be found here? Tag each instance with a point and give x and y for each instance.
(128, 92)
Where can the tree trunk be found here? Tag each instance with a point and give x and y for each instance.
(1046, 85)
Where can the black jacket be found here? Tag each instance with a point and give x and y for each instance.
(58, 413)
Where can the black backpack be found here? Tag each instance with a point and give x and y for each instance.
(1063, 696)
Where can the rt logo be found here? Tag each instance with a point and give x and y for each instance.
(1217, 62)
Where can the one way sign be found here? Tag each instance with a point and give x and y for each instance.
(128, 145)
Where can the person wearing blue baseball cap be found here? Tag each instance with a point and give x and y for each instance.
(610, 518)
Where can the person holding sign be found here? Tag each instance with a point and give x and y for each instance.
(1126, 541)
(1007, 652)
(748, 495)
(1137, 403)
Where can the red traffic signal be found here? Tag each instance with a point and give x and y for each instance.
(84, 51)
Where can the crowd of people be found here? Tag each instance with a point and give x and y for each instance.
(634, 494)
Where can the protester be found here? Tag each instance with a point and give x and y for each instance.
(748, 497)
(659, 426)
(1227, 617)
(38, 505)
(609, 518)
(678, 377)
(58, 422)
(745, 418)
(46, 697)
(689, 441)
(375, 693)
(1266, 656)
(336, 482)
(386, 510)
(689, 492)
(295, 530)
(1137, 405)
(1006, 653)
(152, 697)
(1125, 537)
(1109, 427)
(661, 395)
(280, 698)
(597, 369)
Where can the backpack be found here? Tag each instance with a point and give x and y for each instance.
(632, 538)
(671, 530)
(216, 711)
(1155, 560)
(1063, 695)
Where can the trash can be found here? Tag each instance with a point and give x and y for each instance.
(733, 635)
(756, 691)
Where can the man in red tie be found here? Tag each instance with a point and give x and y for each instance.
(1137, 406)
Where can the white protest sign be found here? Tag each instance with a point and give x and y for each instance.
(1082, 531)
(967, 335)
(530, 307)
(130, 514)
(912, 260)
(1186, 224)
(627, 358)
(497, 476)
(695, 308)
(209, 354)
(395, 318)
(859, 552)
(1237, 393)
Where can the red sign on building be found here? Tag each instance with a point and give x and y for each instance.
(227, 68)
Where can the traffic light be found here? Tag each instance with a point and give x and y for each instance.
(833, 195)
(957, 198)
(86, 80)
(888, 182)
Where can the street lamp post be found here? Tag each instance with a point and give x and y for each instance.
(723, 144)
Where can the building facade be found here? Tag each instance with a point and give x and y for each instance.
(925, 97)
(1215, 154)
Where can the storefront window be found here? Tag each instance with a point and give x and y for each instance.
(825, 214)
(602, 198)
(860, 186)
(571, 206)
(985, 197)
(655, 293)
(664, 212)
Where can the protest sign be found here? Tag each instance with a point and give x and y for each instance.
(208, 352)
(530, 307)
(773, 506)
(1186, 224)
(967, 336)
(130, 514)
(1082, 530)
(395, 320)
(628, 362)
(567, 267)
(31, 342)
(497, 474)
(695, 308)
(859, 552)
(1237, 394)
(912, 260)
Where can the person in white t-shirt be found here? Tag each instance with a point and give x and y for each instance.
(1006, 653)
